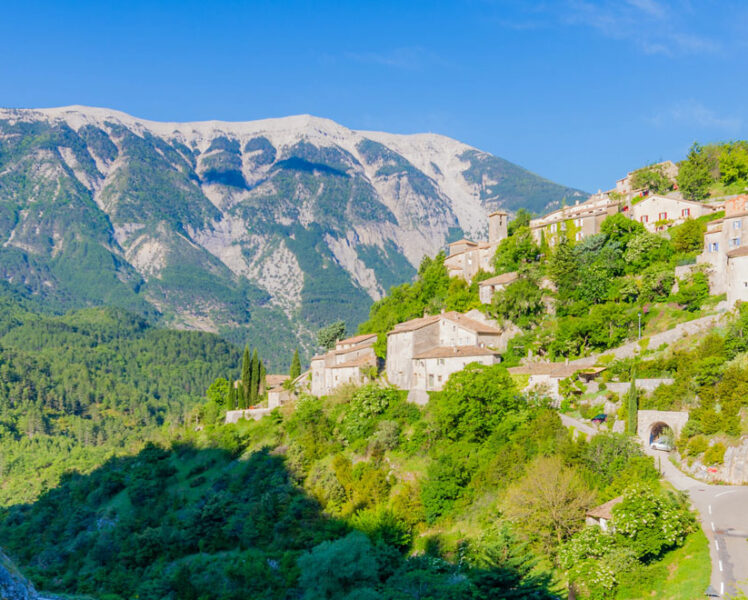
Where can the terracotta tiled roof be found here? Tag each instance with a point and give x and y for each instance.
(500, 279)
(738, 252)
(361, 361)
(414, 324)
(464, 241)
(469, 323)
(605, 511)
(457, 351)
(358, 338)
(275, 380)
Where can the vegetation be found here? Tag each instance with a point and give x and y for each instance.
(714, 169)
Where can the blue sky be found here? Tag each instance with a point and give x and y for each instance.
(576, 90)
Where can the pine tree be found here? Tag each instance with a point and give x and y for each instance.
(246, 377)
(295, 370)
(254, 378)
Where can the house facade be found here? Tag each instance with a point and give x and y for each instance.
(726, 251)
(574, 222)
(466, 257)
(348, 362)
(422, 336)
(488, 287)
(658, 213)
(431, 369)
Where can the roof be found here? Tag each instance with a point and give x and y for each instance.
(414, 324)
(361, 361)
(464, 241)
(275, 380)
(735, 215)
(738, 252)
(357, 338)
(497, 212)
(457, 352)
(604, 511)
(681, 200)
(500, 279)
(455, 317)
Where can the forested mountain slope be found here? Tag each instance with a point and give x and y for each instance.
(264, 229)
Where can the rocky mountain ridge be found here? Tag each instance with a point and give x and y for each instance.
(266, 228)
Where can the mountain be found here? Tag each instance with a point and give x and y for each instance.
(261, 230)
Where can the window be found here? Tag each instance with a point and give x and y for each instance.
(563, 225)
(579, 235)
(714, 247)
(578, 222)
(662, 216)
(644, 219)
(440, 361)
(431, 381)
(686, 212)
(439, 378)
(737, 224)
(553, 228)
(734, 242)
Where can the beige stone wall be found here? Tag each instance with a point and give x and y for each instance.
(737, 279)
(430, 374)
(656, 208)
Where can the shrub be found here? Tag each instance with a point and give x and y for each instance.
(697, 445)
(715, 454)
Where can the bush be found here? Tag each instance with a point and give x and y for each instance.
(715, 454)
(697, 445)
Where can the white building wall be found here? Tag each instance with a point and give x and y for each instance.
(431, 374)
(737, 279)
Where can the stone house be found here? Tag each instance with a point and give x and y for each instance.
(277, 394)
(467, 257)
(624, 185)
(576, 222)
(726, 251)
(348, 362)
(431, 369)
(602, 515)
(420, 336)
(658, 213)
(488, 287)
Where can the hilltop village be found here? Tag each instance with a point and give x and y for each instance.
(422, 353)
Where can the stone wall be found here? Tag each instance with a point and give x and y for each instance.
(648, 418)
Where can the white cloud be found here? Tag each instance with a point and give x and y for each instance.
(693, 113)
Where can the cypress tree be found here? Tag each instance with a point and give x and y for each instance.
(262, 383)
(246, 377)
(633, 405)
(254, 378)
(295, 365)
(231, 402)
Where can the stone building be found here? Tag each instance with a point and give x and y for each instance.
(431, 369)
(602, 515)
(349, 362)
(467, 257)
(488, 287)
(576, 222)
(625, 186)
(726, 251)
(658, 213)
(423, 335)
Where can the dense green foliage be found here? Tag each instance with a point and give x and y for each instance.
(78, 387)
(714, 169)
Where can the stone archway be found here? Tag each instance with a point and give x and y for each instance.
(654, 421)
(658, 430)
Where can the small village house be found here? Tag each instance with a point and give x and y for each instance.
(348, 362)
(431, 369)
(658, 213)
(488, 287)
(574, 222)
(466, 257)
(602, 515)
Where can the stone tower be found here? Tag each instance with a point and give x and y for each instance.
(497, 222)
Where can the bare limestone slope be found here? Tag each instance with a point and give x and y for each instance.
(266, 229)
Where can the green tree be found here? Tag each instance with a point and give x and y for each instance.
(694, 173)
(295, 369)
(254, 380)
(512, 252)
(548, 504)
(689, 237)
(651, 178)
(521, 219)
(564, 269)
(632, 405)
(619, 229)
(244, 396)
(328, 335)
(521, 302)
(231, 403)
(733, 163)
(475, 401)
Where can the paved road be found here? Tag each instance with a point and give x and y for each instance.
(723, 510)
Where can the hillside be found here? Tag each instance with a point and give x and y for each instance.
(263, 230)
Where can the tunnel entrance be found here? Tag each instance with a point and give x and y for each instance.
(662, 432)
